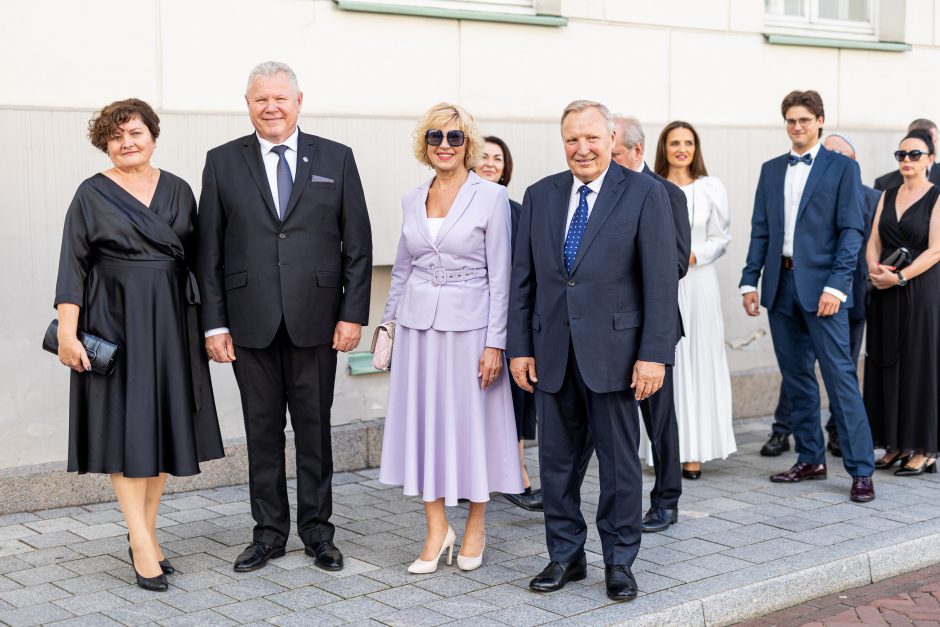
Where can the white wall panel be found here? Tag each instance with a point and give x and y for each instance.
(697, 14)
(78, 53)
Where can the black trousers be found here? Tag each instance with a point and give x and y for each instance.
(662, 427)
(272, 380)
(570, 422)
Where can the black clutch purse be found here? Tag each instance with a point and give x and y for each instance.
(101, 353)
(898, 259)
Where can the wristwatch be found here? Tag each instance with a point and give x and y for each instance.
(901, 280)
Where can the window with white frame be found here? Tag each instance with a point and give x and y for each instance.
(853, 18)
(516, 7)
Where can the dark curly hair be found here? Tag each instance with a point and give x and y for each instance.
(104, 124)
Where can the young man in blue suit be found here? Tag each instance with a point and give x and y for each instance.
(592, 327)
(806, 232)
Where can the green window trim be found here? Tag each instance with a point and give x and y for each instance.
(451, 14)
(827, 42)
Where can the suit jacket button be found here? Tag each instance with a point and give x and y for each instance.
(282, 236)
(570, 283)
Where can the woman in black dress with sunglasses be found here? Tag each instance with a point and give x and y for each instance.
(902, 365)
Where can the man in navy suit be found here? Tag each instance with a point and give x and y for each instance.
(806, 232)
(659, 410)
(779, 439)
(593, 307)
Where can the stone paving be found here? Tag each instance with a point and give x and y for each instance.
(743, 547)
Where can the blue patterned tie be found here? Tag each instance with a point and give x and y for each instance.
(284, 181)
(576, 228)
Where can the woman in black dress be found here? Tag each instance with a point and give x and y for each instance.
(496, 166)
(124, 276)
(902, 364)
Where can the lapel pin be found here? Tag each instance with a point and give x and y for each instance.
(306, 160)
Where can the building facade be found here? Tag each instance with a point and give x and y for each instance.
(369, 69)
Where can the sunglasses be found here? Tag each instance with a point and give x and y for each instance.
(913, 155)
(434, 137)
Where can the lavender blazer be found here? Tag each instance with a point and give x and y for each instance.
(473, 237)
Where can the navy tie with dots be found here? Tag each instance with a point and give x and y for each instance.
(576, 228)
(284, 181)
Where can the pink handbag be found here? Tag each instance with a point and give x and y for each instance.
(382, 341)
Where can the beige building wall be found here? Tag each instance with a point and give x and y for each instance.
(366, 78)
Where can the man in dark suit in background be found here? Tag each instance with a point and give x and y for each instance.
(285, 270)
(779, 438)
(893, 178)
(806, 231)
(659, 410)
(593, 307)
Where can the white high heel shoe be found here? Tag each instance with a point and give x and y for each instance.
(471, 563)
(421, 567)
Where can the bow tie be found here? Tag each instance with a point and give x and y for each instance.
(792, 159)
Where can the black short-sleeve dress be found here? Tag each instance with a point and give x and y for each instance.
(127, 266)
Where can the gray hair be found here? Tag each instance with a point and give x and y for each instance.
(848, 140)
(271, 68)
(632, 130)
(582, 105)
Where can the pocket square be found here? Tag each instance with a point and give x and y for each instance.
(316, 178)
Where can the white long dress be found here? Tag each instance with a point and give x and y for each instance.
(702, 382)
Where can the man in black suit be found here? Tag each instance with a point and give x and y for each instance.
(285, 270)
(780, 436)
(659, 410)
(893, 178)
(593, 307)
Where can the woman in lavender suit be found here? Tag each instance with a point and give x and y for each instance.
(450, 431)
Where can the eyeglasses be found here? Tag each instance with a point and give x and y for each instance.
(913, 155)
(434, 137)
(801, 121)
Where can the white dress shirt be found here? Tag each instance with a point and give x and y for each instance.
(794, 183)
(270, 160)
(576, 184)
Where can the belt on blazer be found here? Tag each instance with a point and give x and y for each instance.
(787, 263)
(440, 276)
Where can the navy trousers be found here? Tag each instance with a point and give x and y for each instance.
(571, 422)
(662, 427)
(800, 338)
(782, 412)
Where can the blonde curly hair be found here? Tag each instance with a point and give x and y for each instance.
(437, 117)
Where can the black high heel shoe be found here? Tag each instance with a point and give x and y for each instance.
(882, 464)
(929, 466)
(165, 564)
(692, 474)
(154, 584)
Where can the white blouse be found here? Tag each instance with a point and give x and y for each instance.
(434, 227)
(710, 218)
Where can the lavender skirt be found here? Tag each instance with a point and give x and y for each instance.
(444, 436)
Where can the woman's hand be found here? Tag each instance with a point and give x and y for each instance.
(491, 366)
(72, 354)
(883, 278)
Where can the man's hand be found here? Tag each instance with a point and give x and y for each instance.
(491, 365)
(346, 336)
(220, 348)
(692, 259)
(828, 305)
(522, 370)
(752, 304)
(647, 379)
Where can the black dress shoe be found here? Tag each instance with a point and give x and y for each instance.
(621, 586)
(165, 565)
(153, 584)
(777, 444)
(325, 555)
(833, 446)
(529, 499)
(659, 518)
(557, 574)
(257, 555)
(691, 474)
